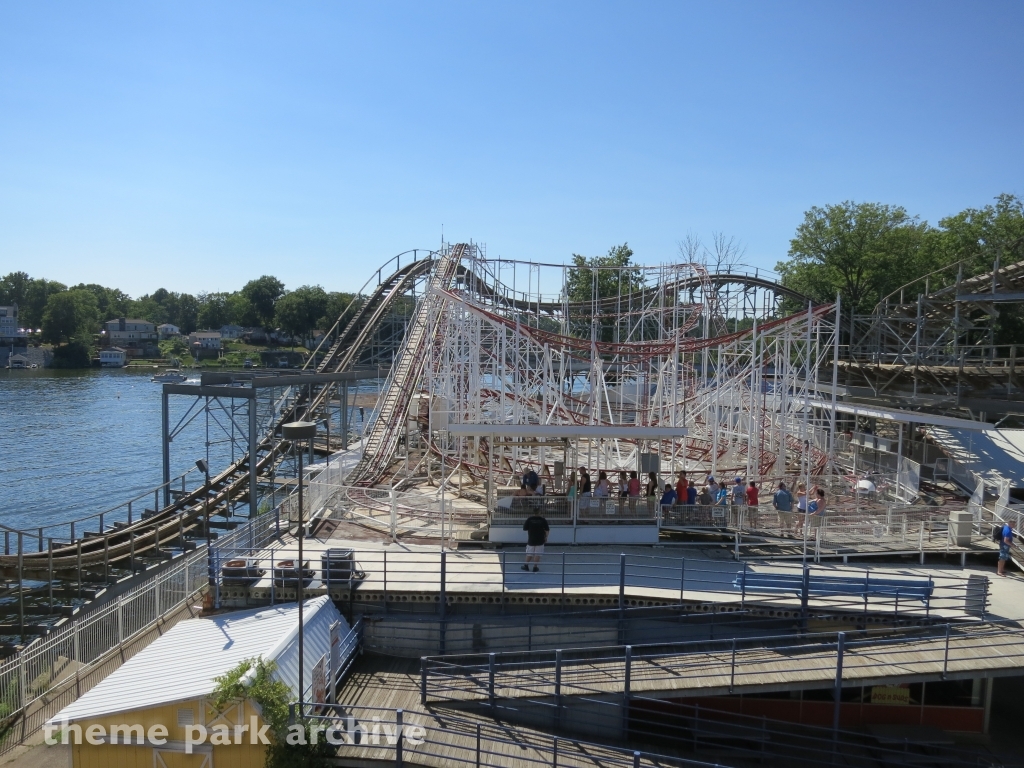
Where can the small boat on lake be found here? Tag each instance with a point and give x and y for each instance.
(170, 376)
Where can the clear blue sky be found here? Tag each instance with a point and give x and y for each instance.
(194, 145)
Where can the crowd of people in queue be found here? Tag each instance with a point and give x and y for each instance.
(684, 492)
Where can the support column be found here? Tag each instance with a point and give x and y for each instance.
(253, 504)
(989, 683)
(165, 444)
(344, 416)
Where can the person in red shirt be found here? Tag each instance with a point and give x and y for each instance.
(752, 494)
(634, 484)
(681, 486)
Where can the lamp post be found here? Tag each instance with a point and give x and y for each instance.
(442, 435)
(295, 432)
(203, 467)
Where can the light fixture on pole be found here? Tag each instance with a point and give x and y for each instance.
(296, 432)
(203, 467)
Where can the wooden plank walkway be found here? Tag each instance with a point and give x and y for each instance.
(985, 651)
(388, 682)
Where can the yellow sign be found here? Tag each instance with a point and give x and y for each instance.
(890, 694)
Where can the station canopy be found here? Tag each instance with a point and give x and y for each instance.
(567, 431)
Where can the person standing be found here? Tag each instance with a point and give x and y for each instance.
(634, 484)
(782, 500)
(691, 493)
(704, 498)
(537, 529)
(712, 487)
(668, 498)
(752, 494)
(739, 493)
(722, 497)
(1005, 542)
(816, 507)
(585, 487)
(652, 485)
(801, 506)
(681, 486)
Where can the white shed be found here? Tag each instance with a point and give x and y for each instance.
(169, 683)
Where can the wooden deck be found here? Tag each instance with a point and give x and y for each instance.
(386, 682)
(976, 652)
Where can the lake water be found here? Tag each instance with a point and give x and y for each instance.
(73, 443)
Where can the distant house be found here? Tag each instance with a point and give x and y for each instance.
(168, 331)
(204, 340)
(17, 361)
(135, 336)
(231, 331)
(113, 357)
(254, 336)
(10, 333)
(315, 337)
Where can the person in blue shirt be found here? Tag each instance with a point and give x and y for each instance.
(668, 498)
(1004, 547)
(691, 494)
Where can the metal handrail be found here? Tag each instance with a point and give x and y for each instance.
(624, 581)
(98, 516)
(717, 665)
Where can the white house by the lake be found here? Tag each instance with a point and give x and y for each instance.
(204, 340)
(113, 357)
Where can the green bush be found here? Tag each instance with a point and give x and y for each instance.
(273, 697)
(73, 355)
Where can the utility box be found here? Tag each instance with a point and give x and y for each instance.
(960, 525)
(650, 462)
(559, 469)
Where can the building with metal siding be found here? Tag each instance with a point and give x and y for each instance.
(170, 682)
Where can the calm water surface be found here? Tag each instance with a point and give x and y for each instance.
(73, 443)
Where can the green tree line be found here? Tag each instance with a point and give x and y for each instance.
(75, 313)
(862, 252)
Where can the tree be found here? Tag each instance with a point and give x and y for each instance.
(213, 310)
(601, 277)
(337, 304)
(262, 294)
(70, 316)
(187, 315)
(724, 253)
(298, 312)
(610, 274)
(37, 294)
(863, 251)
(14, 288)
(111, 302)
(976, 237)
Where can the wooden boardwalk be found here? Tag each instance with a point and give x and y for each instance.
(451, 737)
(972, 652)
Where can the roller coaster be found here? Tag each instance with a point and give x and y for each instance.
(455, 293)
